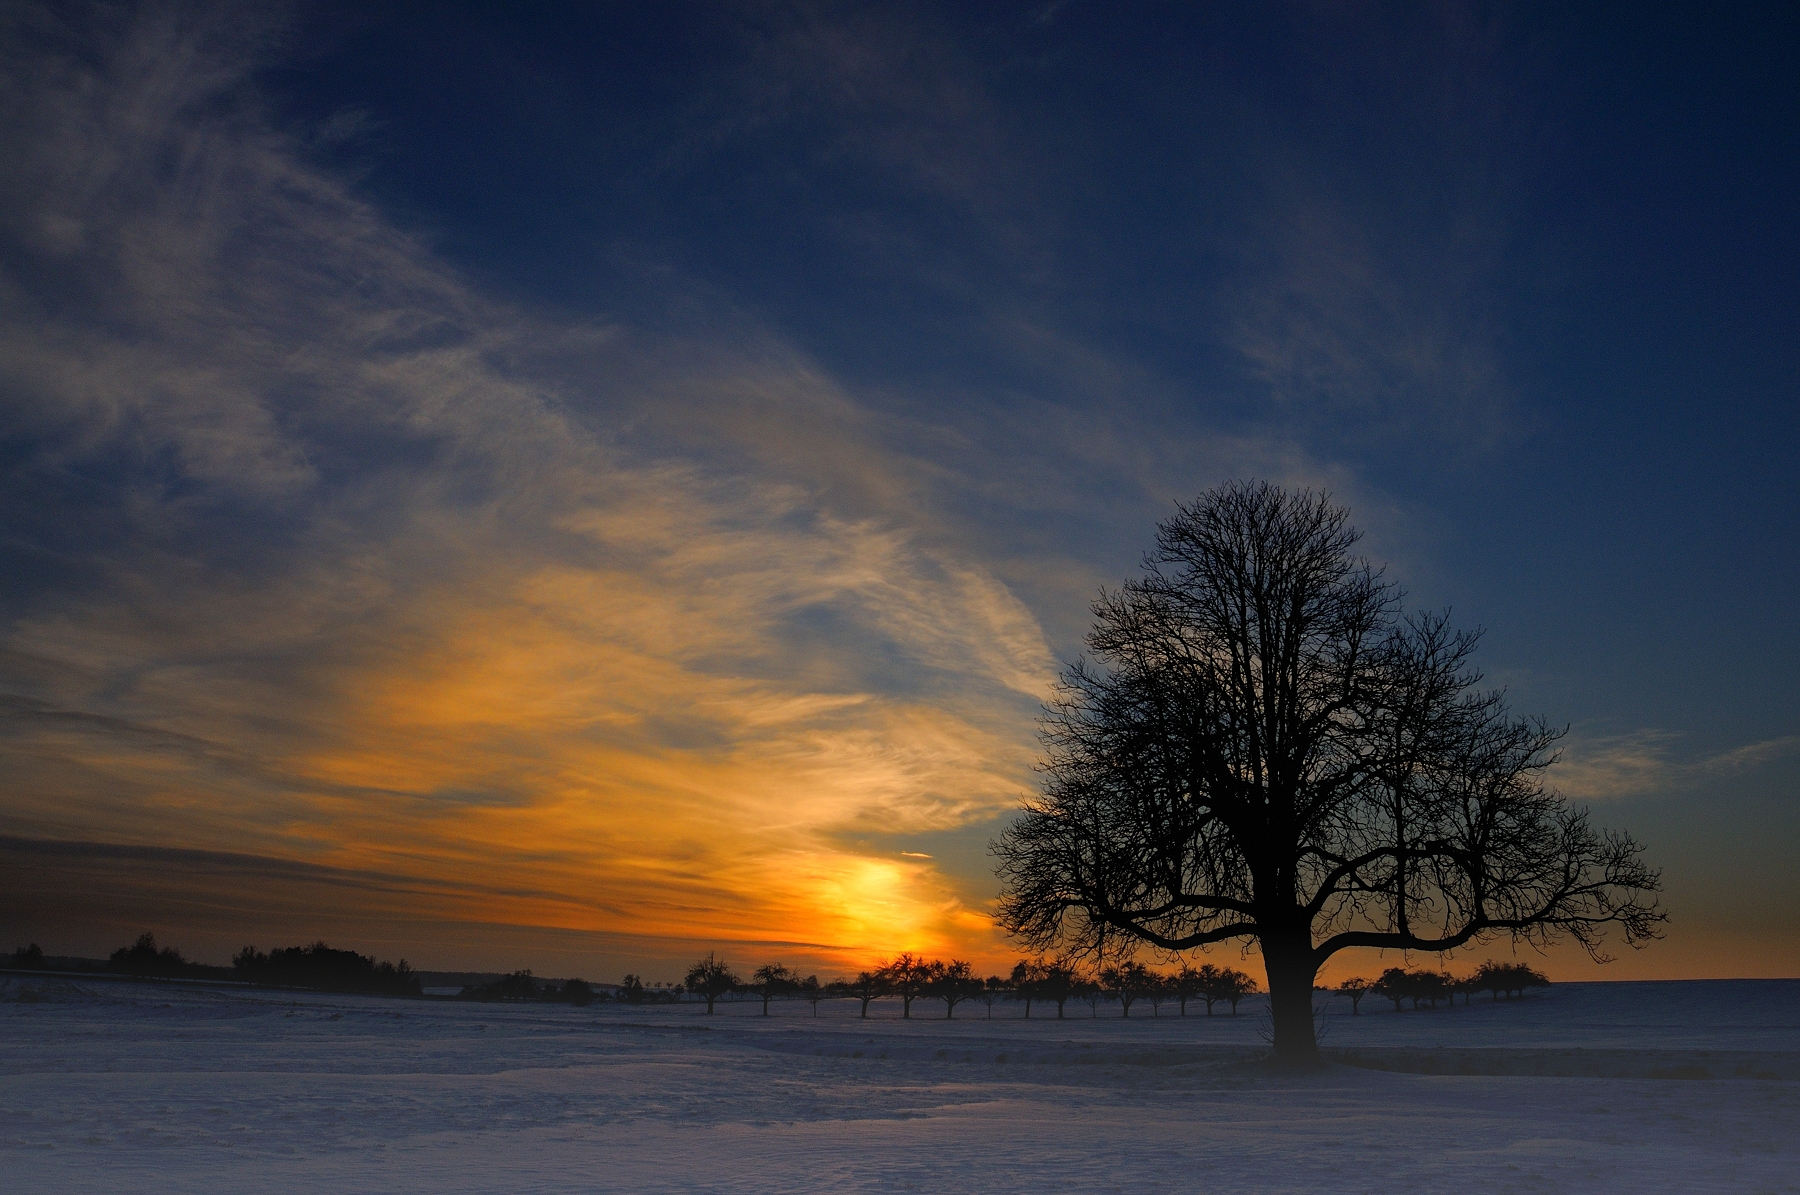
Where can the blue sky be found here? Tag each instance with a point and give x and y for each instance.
(464, 445)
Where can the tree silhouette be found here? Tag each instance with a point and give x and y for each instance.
(143, 958)
(1185, 984)
(710, 978)
(907, 977)
(1356, 987)
(1126, 982)
(1393, 984)
(867, 987)
(1207, 981)
(771, 980)
(319, 966)
(1026, 975)
(1230, 985)
(1269, 749)
(812, 992)
(1090, 991)
(992, 988)
(1157, 988)
(1057, 982)
(953, 982)
(1513, 978)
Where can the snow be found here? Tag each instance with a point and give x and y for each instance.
(123, 1086)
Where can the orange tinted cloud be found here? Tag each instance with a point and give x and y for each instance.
(431, 617)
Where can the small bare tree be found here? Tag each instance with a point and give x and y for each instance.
(992, 988)
(907, 977)
(771, 980)
(1230, 985)
(1057, 982)
(1157, 988)
(1394, 984)
(953, 982)
(1127, 982)
(1264, 747)
(1185, 984)
(866, 988)
(1026, 975)
(710, 978)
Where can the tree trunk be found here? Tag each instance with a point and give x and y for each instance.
(1291, 970)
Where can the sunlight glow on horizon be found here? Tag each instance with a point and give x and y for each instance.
(696, 584)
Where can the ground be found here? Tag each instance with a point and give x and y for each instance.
(1588, 1087)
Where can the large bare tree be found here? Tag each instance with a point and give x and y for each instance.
(1264, 746)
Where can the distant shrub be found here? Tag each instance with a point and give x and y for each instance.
(143, 958)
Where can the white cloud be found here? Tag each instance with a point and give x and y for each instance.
(1642, 763)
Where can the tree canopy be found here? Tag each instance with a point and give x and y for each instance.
(1264, 744)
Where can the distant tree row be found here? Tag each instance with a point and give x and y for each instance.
(1428, 987)
(910, 977)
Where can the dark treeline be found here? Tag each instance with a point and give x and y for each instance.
(144, 958)
(319, 966)
(315, 966)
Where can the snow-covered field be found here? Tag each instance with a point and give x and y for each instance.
(1587, 1087)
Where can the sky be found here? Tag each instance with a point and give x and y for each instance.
(580, 486)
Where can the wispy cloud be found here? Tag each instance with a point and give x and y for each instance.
(389, 577)
(336, 559)
(1364, 299)
(1643, 763)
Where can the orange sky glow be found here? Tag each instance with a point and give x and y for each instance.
(361, 594)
